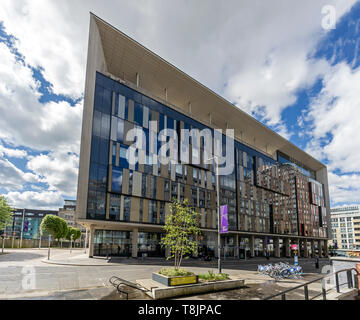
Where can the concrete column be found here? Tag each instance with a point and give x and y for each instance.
(237, 248)
(277, 247)
(320, 248)
(92, 240)
(306, 251)
(287, 247)
(86, 240)
(312, 248)
(135, 239)
(326, 248)
(252, 246)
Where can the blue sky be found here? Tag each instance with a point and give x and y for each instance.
(273, 60)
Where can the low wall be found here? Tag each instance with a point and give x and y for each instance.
(34, 243)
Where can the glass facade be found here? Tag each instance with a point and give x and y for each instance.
(28, 222)
(263, 195)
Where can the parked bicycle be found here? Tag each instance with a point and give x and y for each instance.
(281, 271)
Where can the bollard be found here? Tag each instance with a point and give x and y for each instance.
(358, 277)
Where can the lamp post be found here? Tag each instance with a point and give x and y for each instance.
(22, 229)
(3, 244)
(49, 248)
(71, 240)
(215, 158)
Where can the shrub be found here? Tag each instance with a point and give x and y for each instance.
(170, 272)
(211, 276)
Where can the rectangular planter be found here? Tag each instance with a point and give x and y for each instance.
(175, 281)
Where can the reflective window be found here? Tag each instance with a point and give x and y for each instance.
(117, 176)
(138, 114)
(127, 208)
(122, 107)
(115, 207)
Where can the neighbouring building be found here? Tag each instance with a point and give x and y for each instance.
(345, 224)
(26, 223)
(277, 195)
(68, 213)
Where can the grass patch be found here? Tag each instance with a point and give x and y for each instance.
(171, 272)
(211, 276)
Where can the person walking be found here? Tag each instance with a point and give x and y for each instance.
(317, 262)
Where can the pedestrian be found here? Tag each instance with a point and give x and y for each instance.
(267, 255)
(317, 262)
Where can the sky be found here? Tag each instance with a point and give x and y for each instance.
(283, 61)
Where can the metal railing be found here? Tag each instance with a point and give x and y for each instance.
(117, 282)
(352, 282)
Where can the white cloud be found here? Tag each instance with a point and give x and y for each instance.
(12, 153)
(344, 188)
(335, 117)
(24, 120)
(46, 200)
(58, 169)
(12, 178)
(45, 127)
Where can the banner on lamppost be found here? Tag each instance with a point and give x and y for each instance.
(224, 219)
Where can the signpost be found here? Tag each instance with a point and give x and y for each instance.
(296, 258)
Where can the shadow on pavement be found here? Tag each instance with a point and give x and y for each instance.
(20, 256)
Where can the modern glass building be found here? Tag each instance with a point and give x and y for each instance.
(26, 223)
(345, 224)
(277, 195)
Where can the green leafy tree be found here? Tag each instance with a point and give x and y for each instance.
(6, 213)
(73, 231)
(182, 230)
(55, 226)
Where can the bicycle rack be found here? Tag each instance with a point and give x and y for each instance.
(117, 282)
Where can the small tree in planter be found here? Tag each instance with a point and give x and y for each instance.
(182, 230)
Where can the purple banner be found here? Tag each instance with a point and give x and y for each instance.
(224, 219)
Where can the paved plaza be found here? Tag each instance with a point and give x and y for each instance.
(27, 274)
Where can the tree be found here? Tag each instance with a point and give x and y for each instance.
(182, 230)
(73, 231)
(54, 226)
(6, 213)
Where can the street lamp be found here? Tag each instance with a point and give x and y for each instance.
(71, 240)
(49, 247)
(218, 210)
(3, 243)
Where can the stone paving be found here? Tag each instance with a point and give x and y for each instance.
(75, 276)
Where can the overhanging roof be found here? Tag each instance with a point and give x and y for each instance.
(125, 58)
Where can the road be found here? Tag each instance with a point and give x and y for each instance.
(24, 275)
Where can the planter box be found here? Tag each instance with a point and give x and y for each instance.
(175, 281)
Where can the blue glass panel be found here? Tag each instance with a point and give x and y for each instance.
(95, 149)
(104, 151)
(116, 184)
(138, 114)
(102, 178)
(105, 126)
(97, 123)
(170, 123)
(99, 93)
(107, 102)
